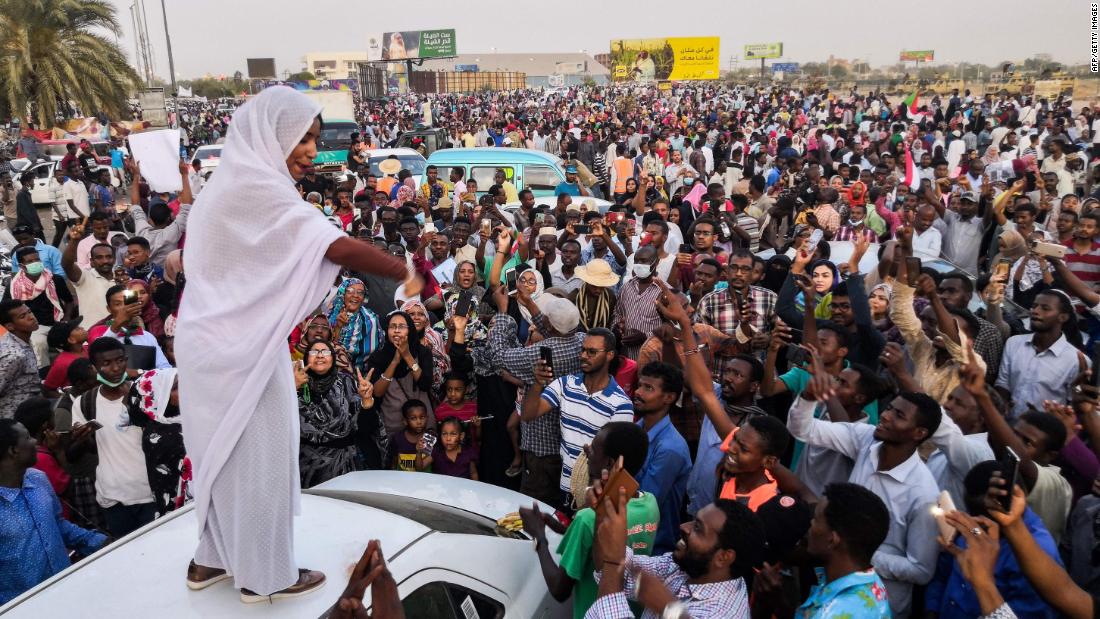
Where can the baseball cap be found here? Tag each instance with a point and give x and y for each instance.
(562, 313)
(969, 196)
(22, 229)
(786, 520)
(60, 332)
(571, 169)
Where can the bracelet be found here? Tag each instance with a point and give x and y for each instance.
(388, 379)
(695, 351)
(415, 367)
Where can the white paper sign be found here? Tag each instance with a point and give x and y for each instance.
(158, 152)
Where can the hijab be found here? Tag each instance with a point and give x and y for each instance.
(695, 196)
(382, 357)
(319, 384)
(361, 335)
(539, 287)
(405, 193)
(441, 362)
(150, 315)
(1015, 246)
(154, 389)
(173, 265)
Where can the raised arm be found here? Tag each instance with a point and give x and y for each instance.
(68, 257)
(364, 257)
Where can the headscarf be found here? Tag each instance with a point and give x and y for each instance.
(254, 272)
(821, 307)
(405, 193)
(23, 288)
(695, 196)
(992, 155)
(1015, 246)
(441, 362)
(173, 264)
(361, 336)
(382, 357)
(150, 315)
(320, 383)
(539, 287)
(154, 389)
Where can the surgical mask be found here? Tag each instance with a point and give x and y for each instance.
(34, 268)
(643, 271)
(688, 180)
(327, 210)
(855, 222)
(103, 380)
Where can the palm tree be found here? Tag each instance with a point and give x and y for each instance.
(56, 52)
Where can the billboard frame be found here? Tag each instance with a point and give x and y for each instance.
(386, 44)
(771, 51)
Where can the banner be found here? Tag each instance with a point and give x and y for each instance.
(679, 58)
(348, 84)
(418, 44)
(785, 67)
(920, 55)
(756, 51)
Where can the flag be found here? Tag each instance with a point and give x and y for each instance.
(912, 107)
(912, 176)
(184, 91)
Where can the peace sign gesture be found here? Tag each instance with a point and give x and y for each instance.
(366, 386)
(76, 234)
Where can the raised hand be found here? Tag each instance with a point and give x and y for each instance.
(76, 233)
(300, 376)
(366, 385)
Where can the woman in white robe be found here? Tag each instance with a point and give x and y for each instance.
(258, 260)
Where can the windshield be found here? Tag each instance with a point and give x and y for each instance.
(338, 133)
(208, 153)
(411, 163)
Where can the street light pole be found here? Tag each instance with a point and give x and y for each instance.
(168, 41)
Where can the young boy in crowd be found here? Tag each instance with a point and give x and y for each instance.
(67, 337)
(405, 444)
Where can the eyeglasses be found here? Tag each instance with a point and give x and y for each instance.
(399, 327)
(741, 268)
(592, 351)
(354, 292)
(320, 353)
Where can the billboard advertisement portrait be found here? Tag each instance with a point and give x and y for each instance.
(676, 58)
(756, 51)
(418, 44)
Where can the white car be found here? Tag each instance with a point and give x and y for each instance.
(209, 157)
(438, 533)
(410, 159)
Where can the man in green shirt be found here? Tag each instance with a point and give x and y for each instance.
(575, 572)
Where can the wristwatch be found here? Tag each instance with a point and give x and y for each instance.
(674, 610)
(415, 367)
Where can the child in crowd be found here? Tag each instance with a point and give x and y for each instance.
(456, 403)
(405, 444)
(67, 337)
(449, 456)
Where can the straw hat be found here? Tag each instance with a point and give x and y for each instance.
(444, 202)
(597, 273)
(390, 166)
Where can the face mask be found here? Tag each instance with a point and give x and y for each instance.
(688, 181)
(103, 380)
(327, 210)
(643, 271)
(34, 268)
(855, 222)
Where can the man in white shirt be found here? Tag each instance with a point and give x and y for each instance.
(927, 240)
(194, 178)
(122, 480)
(964, 233)
(91, 284)
(887, 463)
(75, 193)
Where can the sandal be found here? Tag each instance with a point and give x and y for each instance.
(514, 470)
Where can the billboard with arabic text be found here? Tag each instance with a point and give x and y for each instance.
(676, 58)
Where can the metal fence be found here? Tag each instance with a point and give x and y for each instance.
(450, 81)
(372, 81)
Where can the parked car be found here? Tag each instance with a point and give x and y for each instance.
(433, 139)
(539, 171)
(209, 157)
(410, 159)
(439, 535)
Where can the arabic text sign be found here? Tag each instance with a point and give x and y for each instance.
(676, 58)
(920, 55)
(785, 67)
(418, 44)
(756, 51)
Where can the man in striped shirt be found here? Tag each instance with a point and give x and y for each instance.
(1083, 257)
(586, 400)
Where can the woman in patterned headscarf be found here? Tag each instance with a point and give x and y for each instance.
(405, 193)
(441, 363)
(355, 328)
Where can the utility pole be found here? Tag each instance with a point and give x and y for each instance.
(137, 43)
(151, 60)
(168, 41)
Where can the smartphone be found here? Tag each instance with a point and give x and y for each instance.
(486, 226)
(686, 249)
(429, 441)
(811, 243)
(619, 479)
(939, 511)
(912, 270)
(582, 229)
(1001, 270)
(95, 425)
(129, 297)
(797, 356)
(1010, 467)
(462, 306)
(725, 230)
(547, 355)
(429, 227)
(614, 218)
(512, 278)
(1051, 250)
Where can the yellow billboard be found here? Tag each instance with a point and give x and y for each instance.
(677, 58)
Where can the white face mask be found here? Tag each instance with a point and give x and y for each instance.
(855, 222)
(642, 271)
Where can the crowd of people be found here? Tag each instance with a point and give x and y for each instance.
(844, 345)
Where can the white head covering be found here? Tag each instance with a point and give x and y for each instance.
(256, 266)
(155, 389)
(539, 287)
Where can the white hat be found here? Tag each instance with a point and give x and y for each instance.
(389, 166)
(597, 273)
(562, 313)
(548, 231)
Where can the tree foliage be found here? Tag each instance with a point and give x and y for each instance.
(55, 54)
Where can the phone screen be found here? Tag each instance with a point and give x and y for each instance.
(512, 279)
(1010, 465)
(912, 270)
(547, 355)
(462, 306)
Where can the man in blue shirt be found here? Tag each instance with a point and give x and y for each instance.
(33, 535)
(570, 186)
(951, 595)
(48, 254)
(668, 461)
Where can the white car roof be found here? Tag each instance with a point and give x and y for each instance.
(143, 575)
(399, 152)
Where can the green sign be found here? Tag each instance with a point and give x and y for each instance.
(756, 51)
(418, 44)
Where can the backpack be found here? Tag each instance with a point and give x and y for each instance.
(87, 403)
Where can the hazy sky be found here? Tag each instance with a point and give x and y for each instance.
(215, 36)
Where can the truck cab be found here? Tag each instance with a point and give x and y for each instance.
(333, 145)
(432, 139)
